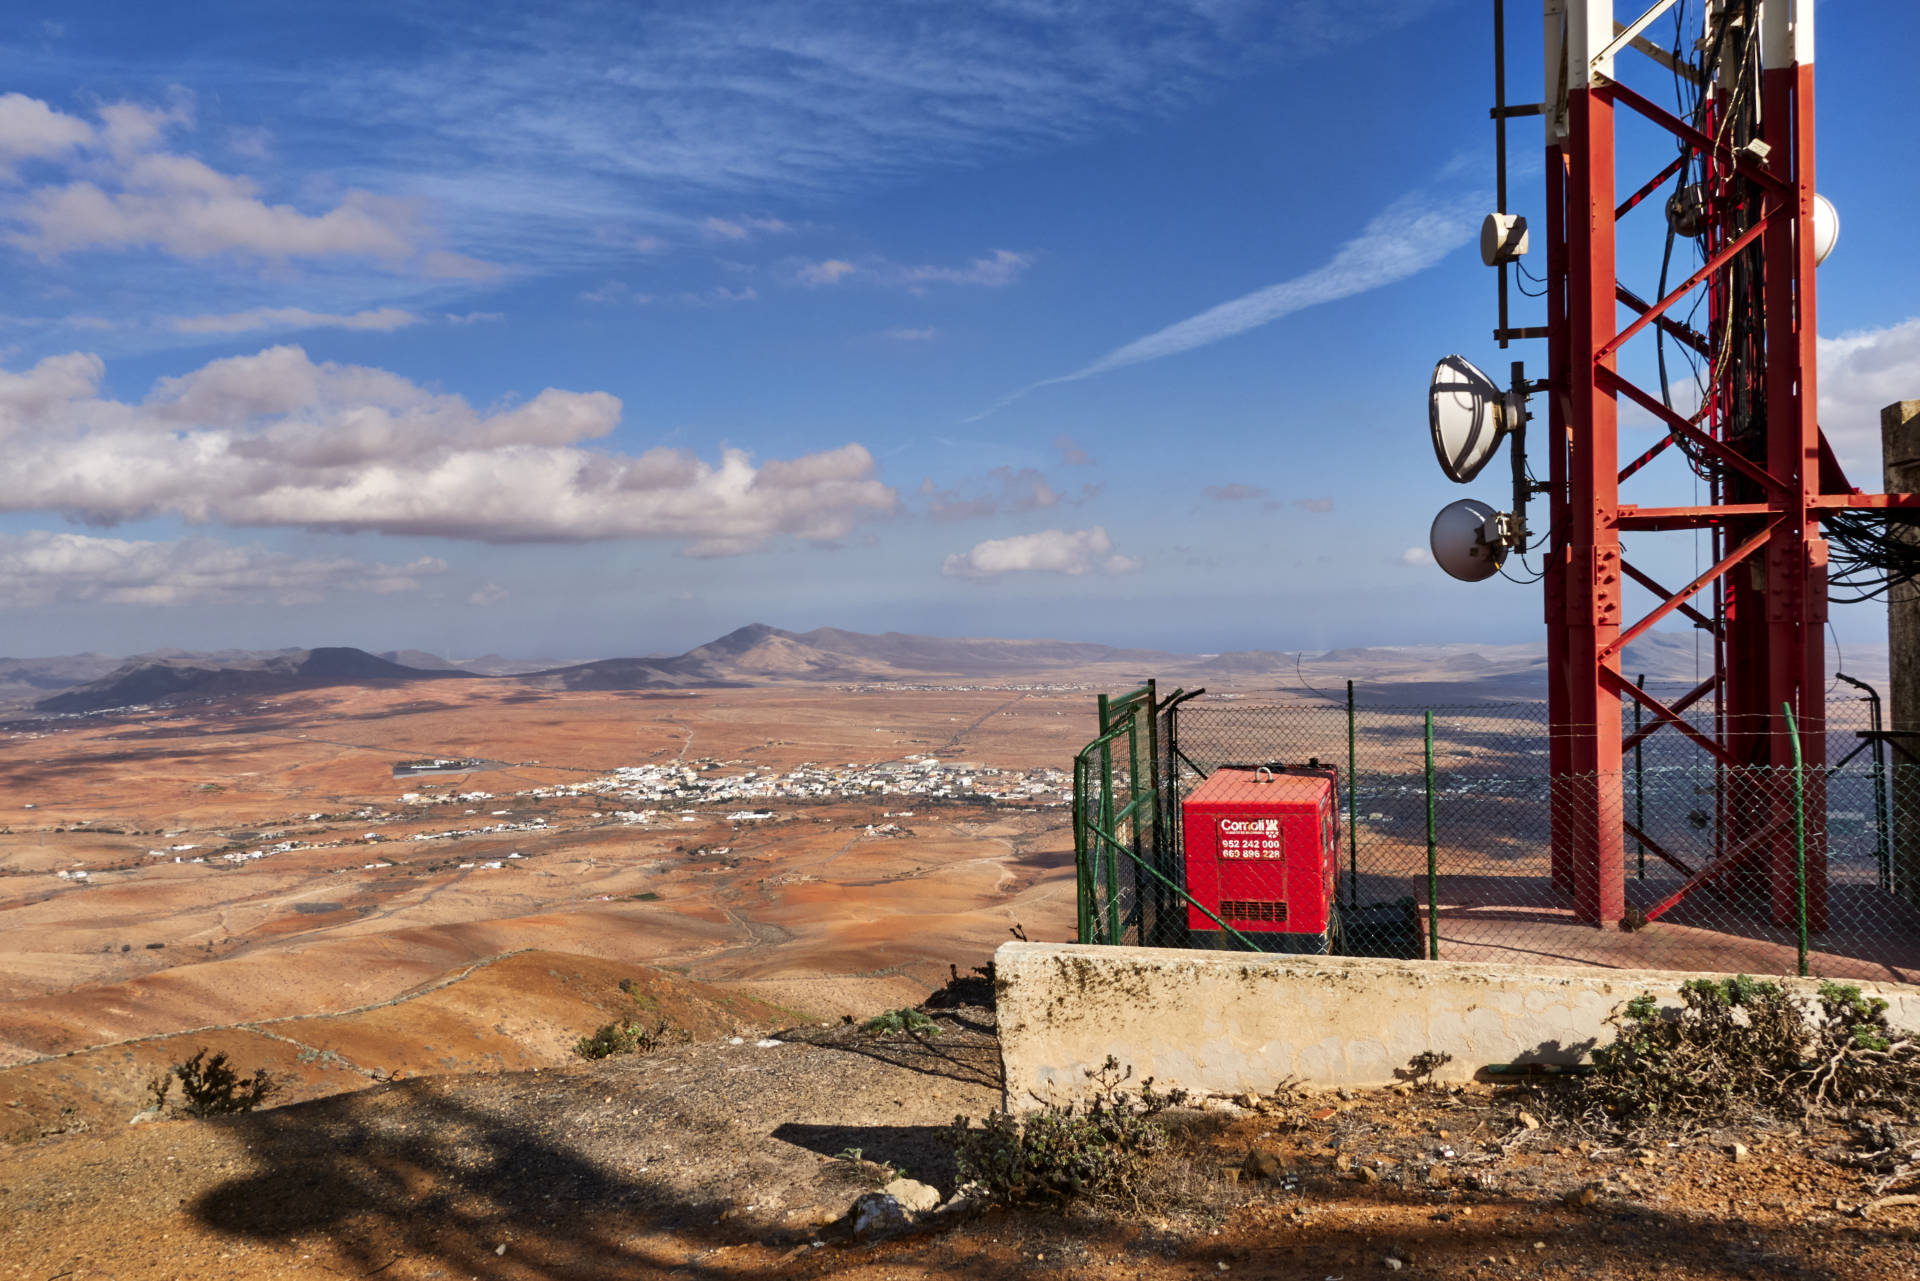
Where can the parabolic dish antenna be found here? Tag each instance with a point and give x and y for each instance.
(1468, 540)
(1469, 416)
(1826, 228)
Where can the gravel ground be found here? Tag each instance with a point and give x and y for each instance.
(725, 1159)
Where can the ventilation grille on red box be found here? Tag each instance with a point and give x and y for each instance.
(1234, 909)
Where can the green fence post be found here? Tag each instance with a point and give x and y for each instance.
(1433, 859)
(1105, 833)
(1799, 835)
(1639, 785)
(1353, 810)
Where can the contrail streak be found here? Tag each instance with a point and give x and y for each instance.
(1407, 237)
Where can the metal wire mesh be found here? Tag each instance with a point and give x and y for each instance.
(1444, 844)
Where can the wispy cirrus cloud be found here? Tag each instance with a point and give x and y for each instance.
(993, 270)
(379, 320)
(1406, 238)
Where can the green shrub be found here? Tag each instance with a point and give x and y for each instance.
(1739, 1045)
(211, 1086)
(627, 1036)
(1103, 1151)
(903, 1021)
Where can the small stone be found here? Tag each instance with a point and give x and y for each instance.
(1529, 1120)
(1392, 1264)
(501, 1248)
(1443, 1135)
(1262, 1165)
(1738, 1152)
(914, 1196)
(1345, 1095)
(1367, 1174)
(1539, 1245)
(875, 1214)
(1581, 1198)
(1343, 1163)
(1323, 1114)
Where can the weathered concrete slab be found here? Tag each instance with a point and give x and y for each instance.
(1233, 1022)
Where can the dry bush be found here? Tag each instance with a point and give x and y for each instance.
(1739, 1048)
(1113, 1150)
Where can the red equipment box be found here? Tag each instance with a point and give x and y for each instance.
(1263, 853)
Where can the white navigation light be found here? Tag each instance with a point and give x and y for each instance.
(1469, 416)
(1470, 540)
(1826, 227)
(1503, 238)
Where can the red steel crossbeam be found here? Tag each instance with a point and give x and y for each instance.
(1647, 582)
(1692, 696)
(1647, 457)
(1691, 136)
(1653, 184)
(1621, 685)
(1644, 518)
(1653, 848)
(1674, 602)
(1717, 869)
(1726, 255)
(1673, 328)
(1681, 427)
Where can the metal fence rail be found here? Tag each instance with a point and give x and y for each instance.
(1448, 814)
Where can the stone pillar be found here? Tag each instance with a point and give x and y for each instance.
(1900, 451)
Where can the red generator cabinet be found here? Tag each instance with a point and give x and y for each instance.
(1262, 854)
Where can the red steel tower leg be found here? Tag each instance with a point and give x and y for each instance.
(1796, 554)
(1559, 742)
(1592, 792)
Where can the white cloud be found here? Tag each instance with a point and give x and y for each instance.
(1415, 556)
(1318, 506)
(900, 333)
(488, 594)
(1407, 237)
(42, 567)
(1237, 492)
(1860, 374)
(1072, 453)
(743, 228)
(31, 130)
(124, 190)
(828, 272)
(1007, 492)
(1052, 551)
(475, 317)
(275, 439)
(382, 320)
(994, 269)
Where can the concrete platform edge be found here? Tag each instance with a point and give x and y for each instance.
(1226, 1023)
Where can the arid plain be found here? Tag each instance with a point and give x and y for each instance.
(348, 948)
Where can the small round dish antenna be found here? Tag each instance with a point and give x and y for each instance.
(1469, 416)
(1826, 228)
(1469, 540)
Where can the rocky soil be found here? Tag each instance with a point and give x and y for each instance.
(740, 1156)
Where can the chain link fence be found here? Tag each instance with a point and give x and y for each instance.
(1444, 837)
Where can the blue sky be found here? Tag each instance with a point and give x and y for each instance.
(587, 329)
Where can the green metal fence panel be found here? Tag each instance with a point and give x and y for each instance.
(1749, 869)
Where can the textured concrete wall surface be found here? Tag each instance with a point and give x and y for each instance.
(1227, 1023)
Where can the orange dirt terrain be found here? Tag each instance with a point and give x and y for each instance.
(250, 875)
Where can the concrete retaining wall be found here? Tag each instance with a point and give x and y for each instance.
(1228, 1023)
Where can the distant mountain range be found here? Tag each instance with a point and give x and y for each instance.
(759, 654)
